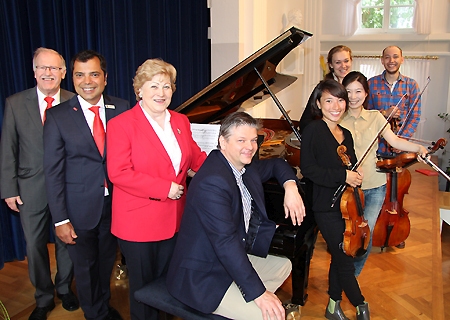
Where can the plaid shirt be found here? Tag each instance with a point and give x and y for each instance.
(381, 98)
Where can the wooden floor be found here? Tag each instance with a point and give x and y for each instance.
(409, 283)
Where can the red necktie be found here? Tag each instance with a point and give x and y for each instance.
(99, 130)
(49, 101)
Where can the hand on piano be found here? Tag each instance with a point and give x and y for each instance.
(293, 203)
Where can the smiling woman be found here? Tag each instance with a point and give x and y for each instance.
(150, 151)
(365, 125)
(339, 62)
(321, 164)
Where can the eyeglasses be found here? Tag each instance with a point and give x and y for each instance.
(52, 69)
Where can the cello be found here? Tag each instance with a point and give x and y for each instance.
(357, 232)
(393, 225)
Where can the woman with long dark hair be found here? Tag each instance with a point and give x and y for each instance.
(321, 164)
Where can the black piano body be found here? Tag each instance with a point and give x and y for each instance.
(225, 95)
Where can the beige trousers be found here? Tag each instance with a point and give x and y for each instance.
(272, 271)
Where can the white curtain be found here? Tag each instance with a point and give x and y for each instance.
(422, 17)
(418, 69)
(351, 18)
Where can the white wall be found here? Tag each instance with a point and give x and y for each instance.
(259, 21)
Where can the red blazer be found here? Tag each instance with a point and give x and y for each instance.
(142, 173)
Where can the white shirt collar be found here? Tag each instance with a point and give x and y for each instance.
(86, 105)
(41, 97)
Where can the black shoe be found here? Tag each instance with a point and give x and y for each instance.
(113, 314)
(401, 245)
(69, 301)
(40, 313)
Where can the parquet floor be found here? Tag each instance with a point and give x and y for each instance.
(409, 283)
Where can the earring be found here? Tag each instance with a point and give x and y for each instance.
(140, 95)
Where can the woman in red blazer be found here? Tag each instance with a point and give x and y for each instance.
(149, 153)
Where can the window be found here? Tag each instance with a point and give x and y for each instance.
(387, 15)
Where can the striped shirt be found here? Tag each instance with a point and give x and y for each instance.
(245, 195)
(382, 98)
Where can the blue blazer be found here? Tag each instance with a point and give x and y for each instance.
(212, 245)
(74, 169)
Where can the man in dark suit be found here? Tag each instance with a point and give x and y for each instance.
(79, 193)
(22, 179)
(220, 263)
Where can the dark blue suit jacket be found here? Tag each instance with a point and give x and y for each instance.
(211, 247)
(74, 169)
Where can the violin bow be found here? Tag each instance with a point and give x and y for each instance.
(341, 188)
(433, 146)
(413, 106)
(422, 141)
(358, 163)
(435, 167)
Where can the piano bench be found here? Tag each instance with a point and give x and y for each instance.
(155, 294)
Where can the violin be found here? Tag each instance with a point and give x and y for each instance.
(399, 161)
(357, 232)
(393, 225)
(404, 159)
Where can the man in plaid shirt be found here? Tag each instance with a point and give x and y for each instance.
(386, 91)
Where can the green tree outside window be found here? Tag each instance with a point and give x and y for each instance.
(387, 14)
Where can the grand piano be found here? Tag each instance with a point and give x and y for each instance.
(252, 81)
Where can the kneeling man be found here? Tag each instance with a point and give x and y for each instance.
(221, 264)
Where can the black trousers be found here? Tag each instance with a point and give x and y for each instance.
(93, 258)
(341, 276)
(146, 261)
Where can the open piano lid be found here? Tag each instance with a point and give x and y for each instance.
(230, 90)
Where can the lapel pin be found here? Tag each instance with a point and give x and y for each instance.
(110, 106)
(179, 131)
(75, 109)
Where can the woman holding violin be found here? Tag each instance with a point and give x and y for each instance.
(321, 163)
(365, 126)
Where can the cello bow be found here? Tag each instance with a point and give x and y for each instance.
(412, 107)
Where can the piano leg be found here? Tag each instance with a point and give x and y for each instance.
(300, 268)
(294, 242)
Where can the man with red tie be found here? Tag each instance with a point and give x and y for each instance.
(22, 179)
(79, 192)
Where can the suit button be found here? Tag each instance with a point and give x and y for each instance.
(243, 239)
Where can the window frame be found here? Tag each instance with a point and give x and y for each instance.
(386, 17)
